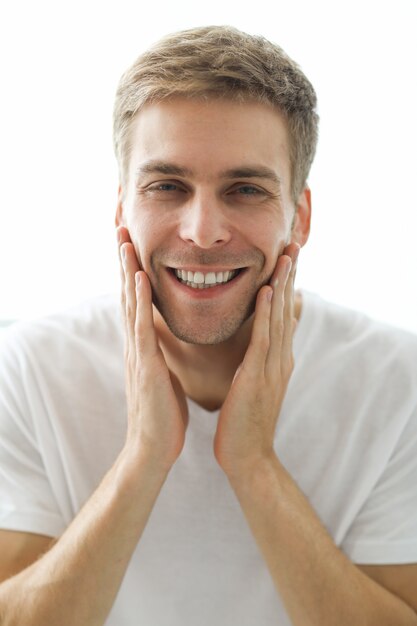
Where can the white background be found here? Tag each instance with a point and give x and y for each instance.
(60, 64)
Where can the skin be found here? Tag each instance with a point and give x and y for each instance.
(205, 220)
(233, 350)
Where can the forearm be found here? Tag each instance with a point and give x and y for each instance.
(77, 581)
(318, 584)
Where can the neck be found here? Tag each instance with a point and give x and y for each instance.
(206, 371)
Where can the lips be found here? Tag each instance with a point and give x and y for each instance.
(208, 280)
(206, 292)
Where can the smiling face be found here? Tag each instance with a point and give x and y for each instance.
(209, 192)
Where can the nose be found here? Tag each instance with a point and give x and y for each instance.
(204, 222)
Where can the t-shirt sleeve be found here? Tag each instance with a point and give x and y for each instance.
(27, 502)
(385, 530)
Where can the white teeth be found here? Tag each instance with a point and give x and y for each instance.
(210, 278)
(199, 280)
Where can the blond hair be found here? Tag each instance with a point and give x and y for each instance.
(220, 62)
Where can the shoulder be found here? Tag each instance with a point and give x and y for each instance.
(92, 325)
(341, 324)
(352, 340)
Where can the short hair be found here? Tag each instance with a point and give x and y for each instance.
(225, 63)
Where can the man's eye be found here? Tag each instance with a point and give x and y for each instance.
(164, 187)
(248, 190)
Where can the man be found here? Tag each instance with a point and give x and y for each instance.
(267, 471)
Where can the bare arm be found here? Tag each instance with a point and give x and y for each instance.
(19, 549)
(317, 583)
(77, 580)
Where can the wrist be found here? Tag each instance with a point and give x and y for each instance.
(253, 472)
(134, 464)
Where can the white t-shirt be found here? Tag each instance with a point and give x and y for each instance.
(347, 433)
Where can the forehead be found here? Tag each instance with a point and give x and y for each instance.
(210, 137)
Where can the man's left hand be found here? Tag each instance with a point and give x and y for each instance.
(248, 417)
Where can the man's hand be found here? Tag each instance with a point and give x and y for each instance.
(156, 404)
(248, 417)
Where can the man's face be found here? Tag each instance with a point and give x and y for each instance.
(209, 192)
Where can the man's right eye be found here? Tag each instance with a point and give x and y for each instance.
(164, 187)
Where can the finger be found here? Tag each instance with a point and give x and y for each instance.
(289, 287)
(123, 236)
(146, 341)
(255, 357)
(289, 308)
(129, 299)
(277, 322)
(122, 273)
(290, 250)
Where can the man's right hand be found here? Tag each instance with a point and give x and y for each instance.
(156, 403)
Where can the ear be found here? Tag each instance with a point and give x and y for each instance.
(120, 218)
(300, 229)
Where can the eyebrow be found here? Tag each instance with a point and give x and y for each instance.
(247, 171)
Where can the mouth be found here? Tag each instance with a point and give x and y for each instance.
(206, 285)
(198, 280)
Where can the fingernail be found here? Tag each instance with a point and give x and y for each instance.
(123, 253)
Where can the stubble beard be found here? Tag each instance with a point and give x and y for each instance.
(206, 327)
(202, 322)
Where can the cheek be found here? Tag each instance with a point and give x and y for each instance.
(144, 236)
(273, 242)
(272, 238)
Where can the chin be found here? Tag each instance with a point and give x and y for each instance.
(203, 332)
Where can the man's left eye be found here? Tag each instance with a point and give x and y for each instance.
(248, 190)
